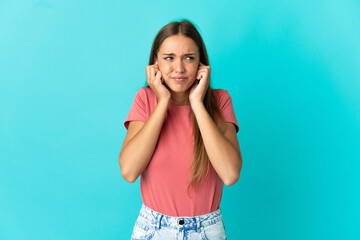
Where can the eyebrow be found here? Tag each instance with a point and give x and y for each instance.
(172, 54)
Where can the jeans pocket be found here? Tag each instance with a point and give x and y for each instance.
(215, 231)
(143, 230)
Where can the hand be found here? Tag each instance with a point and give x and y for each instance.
(201, 84)
(155, 81)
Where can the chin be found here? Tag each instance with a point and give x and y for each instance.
(179, 87)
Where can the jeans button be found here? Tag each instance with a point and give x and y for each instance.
(181, 222)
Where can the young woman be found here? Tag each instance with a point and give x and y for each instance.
(182, 140)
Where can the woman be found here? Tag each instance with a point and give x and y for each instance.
(182, 140)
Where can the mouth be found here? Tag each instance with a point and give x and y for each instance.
(179, 79)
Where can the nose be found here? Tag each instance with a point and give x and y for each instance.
(179, 66)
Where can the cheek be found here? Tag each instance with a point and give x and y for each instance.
(164, 65)
(193, 70)
(192, 82)
(164, 70)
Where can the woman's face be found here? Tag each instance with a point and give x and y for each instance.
(178, 61)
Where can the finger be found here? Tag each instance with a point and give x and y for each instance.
(154, 71)
(152, 74)
(204, 67)
(199, 75)
(158, 76)
(147, 69)
(156, 66)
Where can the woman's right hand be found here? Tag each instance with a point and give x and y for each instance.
(155, 81)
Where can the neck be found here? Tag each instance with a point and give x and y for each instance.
(180, 99)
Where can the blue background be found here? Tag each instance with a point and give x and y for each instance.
(69, 71)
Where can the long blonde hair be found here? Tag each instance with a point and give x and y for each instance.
(200, 163)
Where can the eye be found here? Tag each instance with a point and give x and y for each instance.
(190, 58)
(168, 58)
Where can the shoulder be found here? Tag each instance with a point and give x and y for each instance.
(145, 93)
(146, 98)
(147, 90)
(221, 96)
(223, 99)
(220, 92)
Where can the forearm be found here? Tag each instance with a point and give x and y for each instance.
(136, 154)
(223, 155)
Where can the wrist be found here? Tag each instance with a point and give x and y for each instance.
(164, 101)
(195, 104)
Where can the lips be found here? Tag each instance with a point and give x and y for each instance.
(179, 79)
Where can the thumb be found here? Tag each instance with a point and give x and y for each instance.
(158, 76)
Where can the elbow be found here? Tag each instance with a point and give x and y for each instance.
(234, 176)
(232, 180)
(128, 177)
(126, 174)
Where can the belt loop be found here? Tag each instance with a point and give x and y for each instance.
(198, 225)
(158, 222)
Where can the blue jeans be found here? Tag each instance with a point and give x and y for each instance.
(154, 225)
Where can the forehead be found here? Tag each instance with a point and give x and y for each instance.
(178, 44)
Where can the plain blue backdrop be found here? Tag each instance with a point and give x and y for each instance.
(69, 71)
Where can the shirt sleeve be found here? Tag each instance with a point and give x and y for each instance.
(138, 110)
(226, 108)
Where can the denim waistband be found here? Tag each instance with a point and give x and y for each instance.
(195, 222)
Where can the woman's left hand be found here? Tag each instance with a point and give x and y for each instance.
(201, 84)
